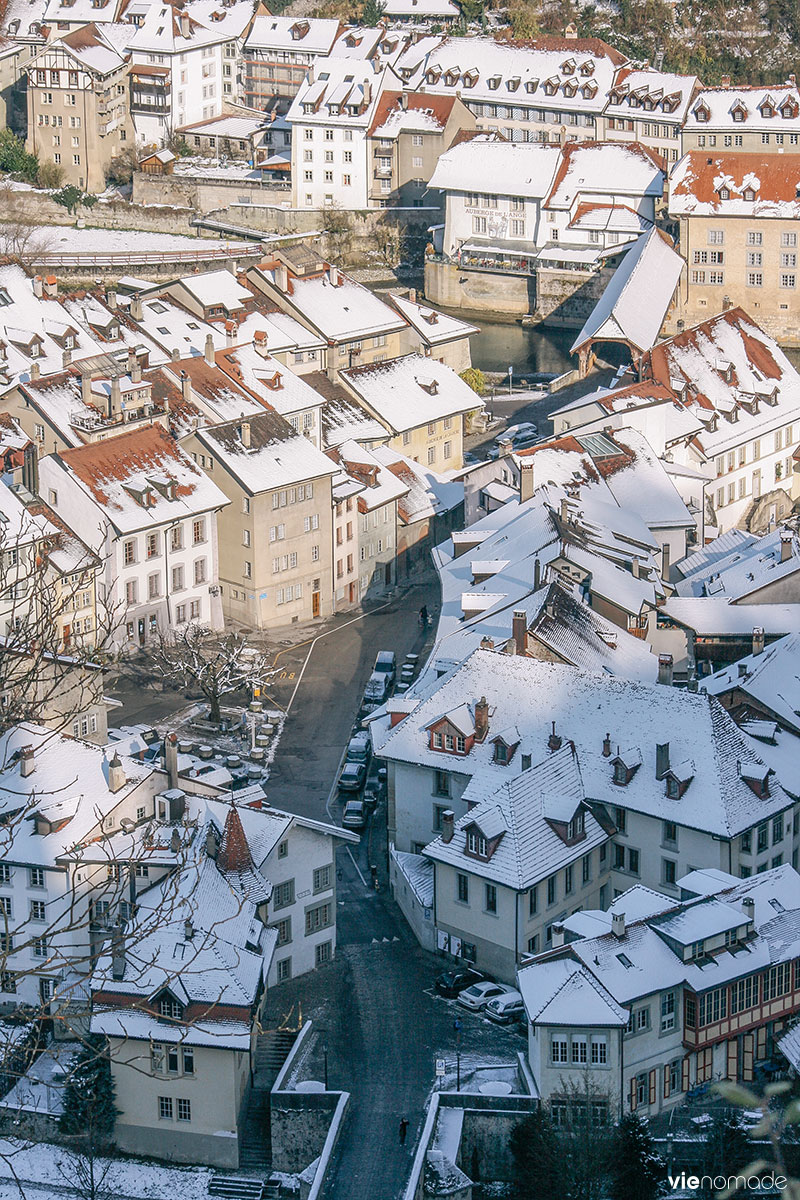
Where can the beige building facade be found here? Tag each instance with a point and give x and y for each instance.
(78, 106)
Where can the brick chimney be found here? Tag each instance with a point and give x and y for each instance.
(665, 562)
(725, 82)
(186, 388)
(481, 719)
(66, 358)
(135, 308)
(758, 640)
(665, 669)
(111, 299)
(119, 958)
(519, 631)
(50, 286)
(208, 353)
(618, 924)
(786, 545)
(554, 741)
(116, 774)
(662, 759)
(607, 746)
(487, 643)
(171, 759)
(448, 825)
(526, 482)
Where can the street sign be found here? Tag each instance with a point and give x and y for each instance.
(440, 1067)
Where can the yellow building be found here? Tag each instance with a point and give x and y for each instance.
(739, 219)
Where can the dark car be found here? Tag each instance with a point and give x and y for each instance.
(372, 794)
(352, 776)
(451, 983)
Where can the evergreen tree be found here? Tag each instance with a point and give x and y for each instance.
(371, 13)
(635, 1170)
(539, 1166)
(89, 1113)
(727, 1144)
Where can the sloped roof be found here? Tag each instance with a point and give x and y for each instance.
(696, 182)
(771, 678)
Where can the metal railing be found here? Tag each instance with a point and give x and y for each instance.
(122, 258)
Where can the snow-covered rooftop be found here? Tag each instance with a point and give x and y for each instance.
(407, 392)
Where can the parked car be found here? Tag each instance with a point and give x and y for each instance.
(377, 690)
(386, 664)
(373, 793)
(478, 996)
(505, 1009)
(359, 748)
(450, 983)
(354, 815)
(352, 776)
(519, 436)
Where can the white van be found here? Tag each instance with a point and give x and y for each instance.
(506, 1008)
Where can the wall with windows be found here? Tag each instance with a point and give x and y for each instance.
(329, 164)
(186, 1115)
(573, 1056)
(302, 869)
(377, 548)
(752, 262)
(437, 444)
(417, 797)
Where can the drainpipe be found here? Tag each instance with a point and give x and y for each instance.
(167, 532)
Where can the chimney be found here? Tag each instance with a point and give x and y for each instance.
(35, 370)
(86, 388)
(367, 93)
(50, 286)
(135, 308)
(38, 286)
(537, 574)
(185, 27)
(758, 640)
(487, 643)
(27, 762)
(557, 934)
(175, 842)
(244, 434)
(564, 509)
(66, 358)
(519, 631)
(119, 959)
(188, 930)
(404, 100)
(636, 567)
(554, 741)
(749, 907)
(231, 332)
(662, 759)
(786, 545)
(282, 278)
(618, 924)
(665, 562)
(111, 299)
(131, 360)
(208, 353)
(175, 355)
(665, 669)
(792, 80)
(186, 388)
(171, 759)
(412, 295)
(725, 81)
(481, 719)
(116, 774)
(526, 484)
(743, 672)
(115, 397)
(607, 746)
(448, 825)
(261, 342)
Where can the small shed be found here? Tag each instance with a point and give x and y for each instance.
(160, 162)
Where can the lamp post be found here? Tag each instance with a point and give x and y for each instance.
(510, 379)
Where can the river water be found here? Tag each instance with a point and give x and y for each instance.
(529, 351)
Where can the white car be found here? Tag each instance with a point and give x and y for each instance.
(506, 1008)
(476, 998)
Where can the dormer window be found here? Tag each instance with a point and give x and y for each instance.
(568, 67)
(626, 765)
(701, 113)
(577, 826)
(451, 77)
(169, 1007)
(570, 87)
(620, 773)
(438, 741)
(767, 109)
(748, 194)
(513, 84)
(470, 78)
(500, 752)
(788, 108)
(739, 113)
(476, 843)
(531, 86)
(724, 193)
(551, 86)
(493, 82)
(673, 788)
(587, 68)
(455, 743)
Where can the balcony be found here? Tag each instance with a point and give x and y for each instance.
(382, 173)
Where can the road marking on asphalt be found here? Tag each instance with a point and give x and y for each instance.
(327, 633)
(355, 864)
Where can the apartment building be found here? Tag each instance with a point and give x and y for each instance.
(278, 52)
(738, 215)
(649, 107)
(422, 404)
(185, 64)
(654, 997)
(408, 134)
(750, 119)
(703, 798)
(440, 335)
(150, 514)
(276, 534)
(366, 547)
(78, 114)
(330, 117)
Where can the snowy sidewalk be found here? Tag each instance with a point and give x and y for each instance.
(37, 1169)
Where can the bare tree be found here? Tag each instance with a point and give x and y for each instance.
(218, 666)
(21, 237)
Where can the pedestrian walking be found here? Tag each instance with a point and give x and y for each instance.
(423, 616)
(403, 1131)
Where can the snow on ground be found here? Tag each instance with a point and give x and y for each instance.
(38, 1165)
(64, 239)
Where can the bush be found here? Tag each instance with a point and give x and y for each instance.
(49, 175)
(473, 377)
(71, 196)
(14, 158)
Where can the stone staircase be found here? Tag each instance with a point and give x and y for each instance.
(255, 1143)
(272, 1050)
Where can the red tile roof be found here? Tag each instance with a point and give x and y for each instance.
(439, 106)
(774, 178)
(119, 458)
